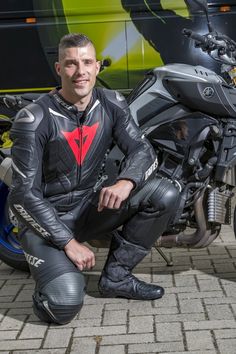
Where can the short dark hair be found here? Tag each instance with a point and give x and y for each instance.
(73, 40)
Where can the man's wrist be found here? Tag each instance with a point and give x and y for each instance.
(127, 182)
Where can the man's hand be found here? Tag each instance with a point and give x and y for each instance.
(80, 255)
(111, 197)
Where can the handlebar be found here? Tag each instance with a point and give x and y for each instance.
(16, 102)
(195, 36)
(218, 46)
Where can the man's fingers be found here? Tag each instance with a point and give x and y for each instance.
(108, 199)
(107, 195)
(117, 203)
(80, 266)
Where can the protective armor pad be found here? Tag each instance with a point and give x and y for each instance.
(28, 118)
(116, 98)
(61, 299)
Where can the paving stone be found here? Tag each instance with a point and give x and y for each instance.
(40, 351)
(209, 285)
(220, 312)
(155, 347)
(15, 304)
(191, 306)
(99, 331)
(227, 346)
(168, 332)
(84, 345)
(25, 295)
(4, 335)
(57, 338)
(20, 311)
(9, 323)
(84, 323)
(201, 295)
(224, 268)
(155, 311)
(91, 311)
(220, 300)
(225, 333)
(180, 317)
(141, 324)
(185, 281)
(182, 289)
(33, 330)
(20, 344)
(112, 349)
(130, 305)
(224, 324)
(114, 317)
(8, 290)
(205, 340)
(167, 300)
(128, 338)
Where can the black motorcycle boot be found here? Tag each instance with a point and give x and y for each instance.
(117, 280)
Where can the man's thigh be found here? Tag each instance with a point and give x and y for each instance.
(46, 262)
(94, 224)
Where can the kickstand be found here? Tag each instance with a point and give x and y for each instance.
(169, 263)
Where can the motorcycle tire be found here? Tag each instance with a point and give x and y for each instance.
(11, 252)
(234, 220)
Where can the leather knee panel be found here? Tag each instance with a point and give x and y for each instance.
(164, 197)
(61, 299)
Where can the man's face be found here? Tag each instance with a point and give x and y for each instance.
(78, 69)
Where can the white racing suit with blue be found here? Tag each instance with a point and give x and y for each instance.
(57, 154)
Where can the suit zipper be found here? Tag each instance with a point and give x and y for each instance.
(80, 151)
(80, 127)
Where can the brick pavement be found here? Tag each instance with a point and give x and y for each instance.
(196, 316)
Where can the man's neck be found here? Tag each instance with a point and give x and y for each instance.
(80, 103)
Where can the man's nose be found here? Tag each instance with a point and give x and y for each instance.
(80, 68)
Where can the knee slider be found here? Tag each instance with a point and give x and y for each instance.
(61, 299)
(165, 196)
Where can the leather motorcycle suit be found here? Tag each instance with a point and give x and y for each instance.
(57, 157)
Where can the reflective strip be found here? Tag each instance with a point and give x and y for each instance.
(96, 103)
(57, 114)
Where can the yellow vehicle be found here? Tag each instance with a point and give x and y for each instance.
(133, 35)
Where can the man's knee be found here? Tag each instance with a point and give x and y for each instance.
(165, 197)
(61, 299)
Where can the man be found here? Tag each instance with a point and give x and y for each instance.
(60, 143)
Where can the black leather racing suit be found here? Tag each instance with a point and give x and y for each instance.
(58, 153)
(57, 157)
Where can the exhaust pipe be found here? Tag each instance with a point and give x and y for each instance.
(202, 237)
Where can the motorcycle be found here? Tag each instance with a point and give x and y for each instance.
(188, 113)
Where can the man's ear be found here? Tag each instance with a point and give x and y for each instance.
(98, 64)
(57, 68)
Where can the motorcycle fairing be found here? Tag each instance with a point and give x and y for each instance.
(181, 142)
(195, 86)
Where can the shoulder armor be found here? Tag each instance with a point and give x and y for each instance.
(28, 118)
(115, 97)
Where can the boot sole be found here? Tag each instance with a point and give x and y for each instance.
(117, 295)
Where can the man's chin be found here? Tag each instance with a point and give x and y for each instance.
(82, 93)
